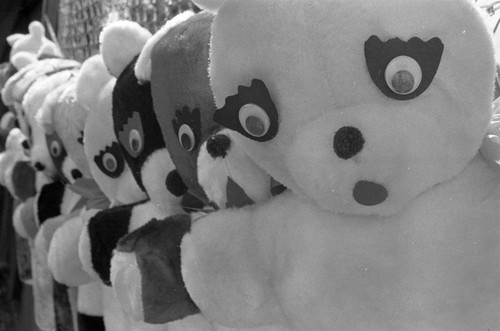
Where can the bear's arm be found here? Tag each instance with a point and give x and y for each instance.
(226, 272)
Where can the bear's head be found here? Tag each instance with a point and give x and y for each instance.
(59, 116)
(26, 91)
(182, 98)
(27, 48)
(105, 158)
(134, 120)
(356, 106)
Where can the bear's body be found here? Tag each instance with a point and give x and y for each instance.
(433, 267)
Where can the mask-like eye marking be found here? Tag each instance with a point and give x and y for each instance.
(403, 70)
(250, 112)
(186, 137)
(187, 127)
(131, 136)
(110, 161)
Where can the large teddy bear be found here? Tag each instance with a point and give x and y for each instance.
(369, 117)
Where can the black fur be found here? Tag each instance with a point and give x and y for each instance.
(62, 307)
(175, 184)
(49, 201)
(105, 229)
(90, 323)
(157, 249)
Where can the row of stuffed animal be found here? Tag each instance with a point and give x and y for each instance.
(263, 165)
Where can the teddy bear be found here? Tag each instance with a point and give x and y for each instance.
(27, 48)
(381, 226)
(63, 118)
(176, 52)
(114, 177)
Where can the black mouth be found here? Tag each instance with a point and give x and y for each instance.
(368, 193)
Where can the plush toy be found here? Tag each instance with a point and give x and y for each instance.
(371, 122)
(109, 170)
(179, 65)
(63, 118)
(27, 48)
(142, 299)
(134, 120)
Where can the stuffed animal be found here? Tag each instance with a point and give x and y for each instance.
(382, 226)
(103, 227)
(27, 48)
(142, 299)
(61, 116)
(175, 84)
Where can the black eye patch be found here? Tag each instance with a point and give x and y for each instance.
(250, 112)
(187, 127)
(402, 70)
(131, 136)
(110, 161)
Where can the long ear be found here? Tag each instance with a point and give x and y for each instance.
(210, 5)
(121, 41)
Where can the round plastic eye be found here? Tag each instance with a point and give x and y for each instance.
(254, 120)
(135, 141)
(55, 149)
(403, 75)
(109, 162)
(186, 137)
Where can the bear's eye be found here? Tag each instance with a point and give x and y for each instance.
(131, 135)
(55, 149)
(135, 141)
(402, 70)
(254, 120)
(187, 127)
(403, 75)
(110, 160)
(250, 112)
(186, 137)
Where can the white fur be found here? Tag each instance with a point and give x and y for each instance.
(120, 42)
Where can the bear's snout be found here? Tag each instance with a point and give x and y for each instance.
(348, 142)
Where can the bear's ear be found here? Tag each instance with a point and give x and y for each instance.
(210, 5)
(120, 42)
(142, 67)
(36, 30)
(91, 78)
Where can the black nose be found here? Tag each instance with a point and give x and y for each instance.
(175, 184)
(218, 145)
(39, 166)
(348, 142)
(25, 144)
(76, 174)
